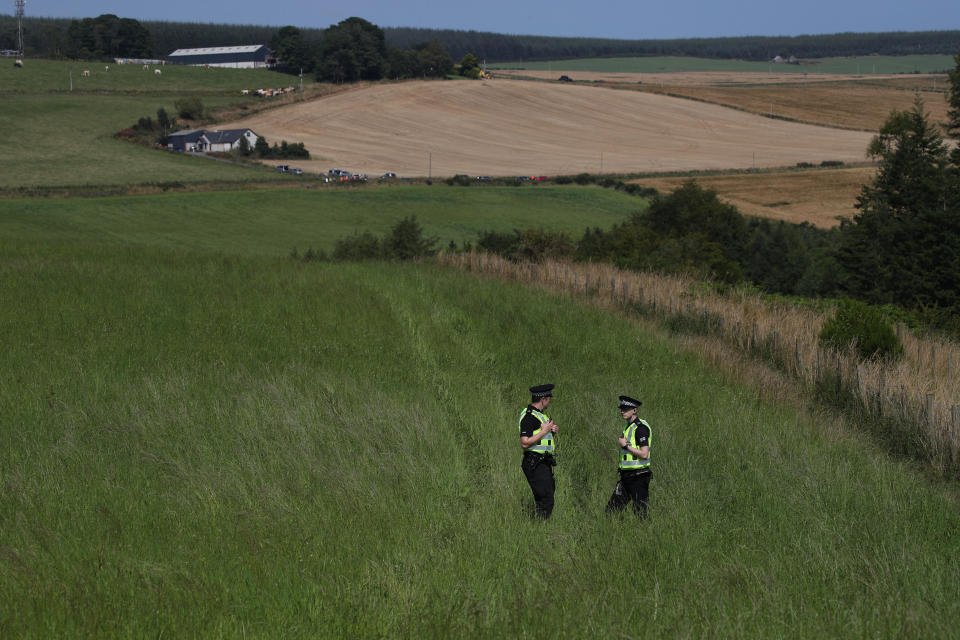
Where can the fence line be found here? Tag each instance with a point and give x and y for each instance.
(917, 397)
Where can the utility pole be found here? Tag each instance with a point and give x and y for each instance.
(301, 79)
(19, 4)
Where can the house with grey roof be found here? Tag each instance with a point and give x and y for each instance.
(226, 140)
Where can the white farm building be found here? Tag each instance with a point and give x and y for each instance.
(254, 56)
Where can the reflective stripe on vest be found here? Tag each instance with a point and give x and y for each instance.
(546, 442)
(627, 459)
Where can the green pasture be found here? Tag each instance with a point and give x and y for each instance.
(274, 221)
(46, 76)
(68, 139)
(203, 445)
(865, 65)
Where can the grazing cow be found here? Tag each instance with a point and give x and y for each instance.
(85, 73)
(245, 92)
(146, 67)
(157, 72)
(106, 68)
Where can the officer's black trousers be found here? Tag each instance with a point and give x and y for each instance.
(632, 486)
(539, 473)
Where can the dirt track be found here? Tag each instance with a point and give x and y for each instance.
(524, 128)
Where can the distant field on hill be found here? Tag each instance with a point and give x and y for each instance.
(849, 104)
(272, 222)
(667, 64)
(199, 445)
(41, 76)
(56, 137)
(499, 127)
(817, 196)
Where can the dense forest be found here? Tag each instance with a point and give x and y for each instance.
(49, 37)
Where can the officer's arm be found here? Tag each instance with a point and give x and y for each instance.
(640, 452)
(526, 441)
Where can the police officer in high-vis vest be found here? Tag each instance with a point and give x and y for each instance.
(538, 440)
(634, 465)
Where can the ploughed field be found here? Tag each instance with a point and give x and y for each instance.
(536, 128)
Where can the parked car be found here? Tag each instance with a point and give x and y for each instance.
(282, 168)
(483, 178)
(338, 173)
(565, 79)
(389, 175)
(297, 171)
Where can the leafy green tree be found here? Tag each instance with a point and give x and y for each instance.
(352, 50)
(294, 53)
(402, 63)
(434, 60)
(470, 66)
(108, 36)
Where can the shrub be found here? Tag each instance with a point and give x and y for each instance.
(190, 108)
(864, 328)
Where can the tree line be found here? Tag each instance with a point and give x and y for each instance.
(50, 37)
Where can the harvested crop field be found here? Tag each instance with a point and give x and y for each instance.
(851, 102)
(817, 196)
(505, 128)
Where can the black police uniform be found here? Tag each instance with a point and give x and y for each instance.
(634, 484)
(538, 467)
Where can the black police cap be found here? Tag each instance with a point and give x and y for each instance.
(542, 390)
(626, 402)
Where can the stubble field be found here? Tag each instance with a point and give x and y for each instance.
(525, 128)
(817, 196)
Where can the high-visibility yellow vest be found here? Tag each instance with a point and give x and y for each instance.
(627, 459)
(546, 442)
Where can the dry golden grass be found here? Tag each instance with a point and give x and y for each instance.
(921, 392)
(505, 128)
(817, 196)
(854, 105)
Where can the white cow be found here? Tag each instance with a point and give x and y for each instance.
(157, 72)
(85, 73)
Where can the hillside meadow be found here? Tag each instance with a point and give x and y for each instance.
(216, 445)
(275, 221)
(54, 136)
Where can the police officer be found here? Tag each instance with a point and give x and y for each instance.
(634, 465)
(537, 438)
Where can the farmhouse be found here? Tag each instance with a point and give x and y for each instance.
(185, 140)
(226, 140)
(253, 56)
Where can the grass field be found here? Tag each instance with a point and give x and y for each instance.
(667, 64)
(273, 222)
(46, 76)
(57, 137)
(226, 446)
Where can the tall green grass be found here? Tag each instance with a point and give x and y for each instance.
(274, 222)
(201, 445)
